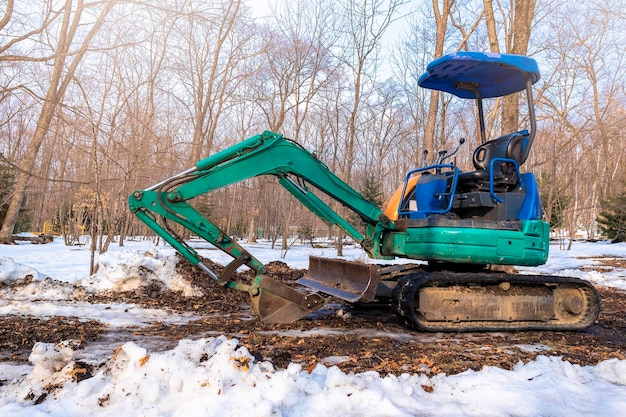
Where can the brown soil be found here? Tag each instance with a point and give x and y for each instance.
(18, 334)
(356, 339)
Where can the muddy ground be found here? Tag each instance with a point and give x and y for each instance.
(355, 339)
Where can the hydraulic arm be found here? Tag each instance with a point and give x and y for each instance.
(264, 154)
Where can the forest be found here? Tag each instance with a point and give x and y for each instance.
(100, 98)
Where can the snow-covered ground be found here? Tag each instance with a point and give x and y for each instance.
(217, 377)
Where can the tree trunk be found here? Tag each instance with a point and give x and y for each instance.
(524, 12)
(441, 20)
(252, 228)
(490, 22)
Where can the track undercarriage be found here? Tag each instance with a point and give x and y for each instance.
(490, 301)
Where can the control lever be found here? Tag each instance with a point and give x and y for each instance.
(441, 155)
(461, 142)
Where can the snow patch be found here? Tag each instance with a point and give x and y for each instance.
(533, 348)
(11, 272)
(128, 270)
(217, 376)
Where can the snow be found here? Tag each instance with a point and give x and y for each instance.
(216, 376)
(125, 271)
(10, 271)
(573, 262)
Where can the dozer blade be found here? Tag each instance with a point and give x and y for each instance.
(279, 303)
(350, 281)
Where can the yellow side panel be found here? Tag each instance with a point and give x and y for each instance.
(391, 210)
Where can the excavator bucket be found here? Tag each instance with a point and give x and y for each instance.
(276, 302)
(350, 281)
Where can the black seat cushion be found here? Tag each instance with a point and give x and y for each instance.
(505, 174)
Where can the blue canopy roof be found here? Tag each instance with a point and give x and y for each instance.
(492, 74)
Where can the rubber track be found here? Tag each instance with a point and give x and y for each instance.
(404, 295)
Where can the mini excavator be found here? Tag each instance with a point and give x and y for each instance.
(461, 224)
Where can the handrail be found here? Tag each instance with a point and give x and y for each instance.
(437, 167)
(491, 176)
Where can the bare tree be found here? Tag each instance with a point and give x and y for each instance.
(410, 59)
(62, 74)
(296, 64)
(365, 23)
(212, 38)
(581, 103)
(6, 18)
(388, 126)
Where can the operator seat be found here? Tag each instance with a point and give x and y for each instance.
(505, 176)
